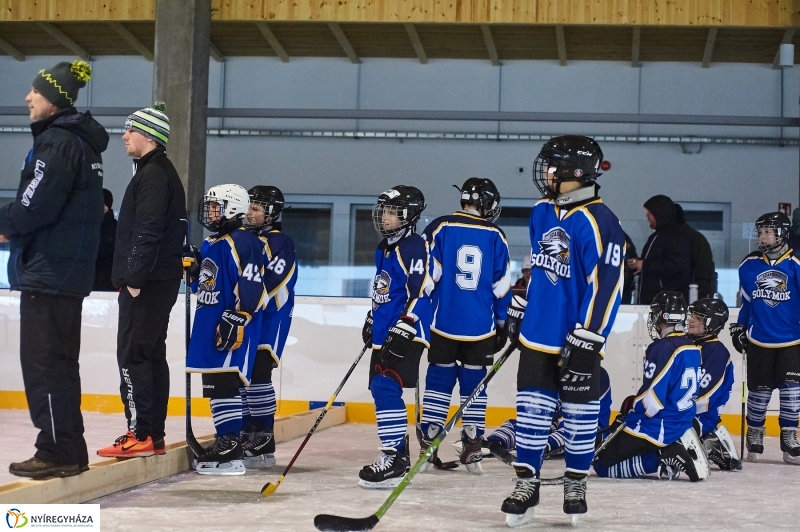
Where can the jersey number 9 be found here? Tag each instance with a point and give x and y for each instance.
(469, 263)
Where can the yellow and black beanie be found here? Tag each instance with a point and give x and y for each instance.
(60, 84)
(152, 122)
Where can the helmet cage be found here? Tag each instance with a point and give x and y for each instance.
(210, 212)
(382, 218)
(713, 323)
(272, 213)
(781, 236)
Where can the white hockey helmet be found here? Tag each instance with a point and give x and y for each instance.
(221, 203)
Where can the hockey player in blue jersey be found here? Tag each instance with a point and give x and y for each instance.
(397, 327)
(573, 296)
(227, 321)
(658, 436)
(705, 319)
(280, 277)
(768, 333)
(471, 272)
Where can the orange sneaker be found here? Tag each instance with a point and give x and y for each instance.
(128, 446)
(159, 446)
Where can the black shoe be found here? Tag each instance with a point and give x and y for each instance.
(574, 493)
(387, 471)
(37, 468)
(225, 449)
(83, 468)
(518, 506)
(259, 451)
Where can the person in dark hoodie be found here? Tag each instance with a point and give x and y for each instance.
(54, 229)
(148, 268)
(666, 259)
(105, 254)
(701, 256)
(794, 236)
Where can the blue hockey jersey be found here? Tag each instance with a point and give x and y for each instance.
(576, 273)
(280, 276)
(471, 271)
(230, 279)
(401, 278)
(604, 419)
(715, 383)
(768, 311)
(665, 404)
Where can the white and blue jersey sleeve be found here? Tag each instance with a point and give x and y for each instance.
(402, 286)
(715, 383)
(665, 404)
(604, 419)
(770, 293)
(280, 277)
(230, 279)
(470, 268)
(576, 273)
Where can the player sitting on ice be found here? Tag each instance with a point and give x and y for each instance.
(658, 435)
(227, 322)
(280, 276)
(397, 327)
(503, 441)
(706, 318)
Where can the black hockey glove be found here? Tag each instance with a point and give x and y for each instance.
(739, 337)
(191, 261)
(580, 355)
(516, 311)
(500, 336)
(366, 331)
(230, 331)
(400, 339)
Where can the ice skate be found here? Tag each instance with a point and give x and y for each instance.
(790, 446)
(387, 471)
(259, 451)
(721, 450)
(471, 451)
(687, 455)
(575, 495)
(755, 443)
(519, 506)
(425, 441)
(224, 458)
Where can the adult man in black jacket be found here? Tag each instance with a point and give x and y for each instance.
(665, 262)
(54, 228)
(700, 254)
(147, 269)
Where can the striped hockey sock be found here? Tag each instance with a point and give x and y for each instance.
(757, 402)
(469, 377)
(227, 415)
(505, 435)
(580, 432)
(245, 410)
(261, 403)
(556, 439)
(535, 407)
(439, 383)
(390, 411)
(790, 404)
(646, 464)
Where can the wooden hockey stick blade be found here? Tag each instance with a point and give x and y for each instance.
(335, 523)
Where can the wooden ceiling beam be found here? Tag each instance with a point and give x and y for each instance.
(635, 47)
(341, 38)
(131, 39)
(712, 37)
(273, 41)
(788, 35)
(10, 50)
(490, 47)
(413, 36)
(214, 52)
(562, 46)
(65, 41)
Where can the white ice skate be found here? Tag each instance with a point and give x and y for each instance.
(234, 467)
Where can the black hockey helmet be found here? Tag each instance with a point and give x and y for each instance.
(483, 194)
(782, 226)
(271, 200)
(574, 157)
(667, 307)
(712, 312)
(405, 203)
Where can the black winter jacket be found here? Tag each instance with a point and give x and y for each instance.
(667, 264)
(105, 254)
(151, 225)
(54, 224)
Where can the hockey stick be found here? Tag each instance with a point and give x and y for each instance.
(191, 441)
(744, 402)
(334, 523)
(269, 488)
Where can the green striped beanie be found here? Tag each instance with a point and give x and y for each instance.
(152, 122)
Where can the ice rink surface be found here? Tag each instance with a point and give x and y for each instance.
(324, 480)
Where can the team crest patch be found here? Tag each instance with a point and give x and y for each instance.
(207, 282)
(554, 255)
(380, 289)
(772, 287)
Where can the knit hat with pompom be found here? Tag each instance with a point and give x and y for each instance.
(60, 84)
(152, 122)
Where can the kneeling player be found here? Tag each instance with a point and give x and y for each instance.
(397, 327)
(658, 435)
(280, 276)
(706, 319)
(227, 321)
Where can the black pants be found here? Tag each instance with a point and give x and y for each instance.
(50, 342)
(142, 356)
(625, 446)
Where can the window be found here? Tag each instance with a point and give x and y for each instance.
(363, 237)
(310, 228)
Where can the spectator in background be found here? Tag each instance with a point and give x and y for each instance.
(630, 275)
(522, 282)
(794, 235)
(105, 254)
(700, 256)
(666, 260)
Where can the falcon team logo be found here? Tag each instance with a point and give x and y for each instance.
(380, 289)
(772, 288)
(554, 256)
(207, 281)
